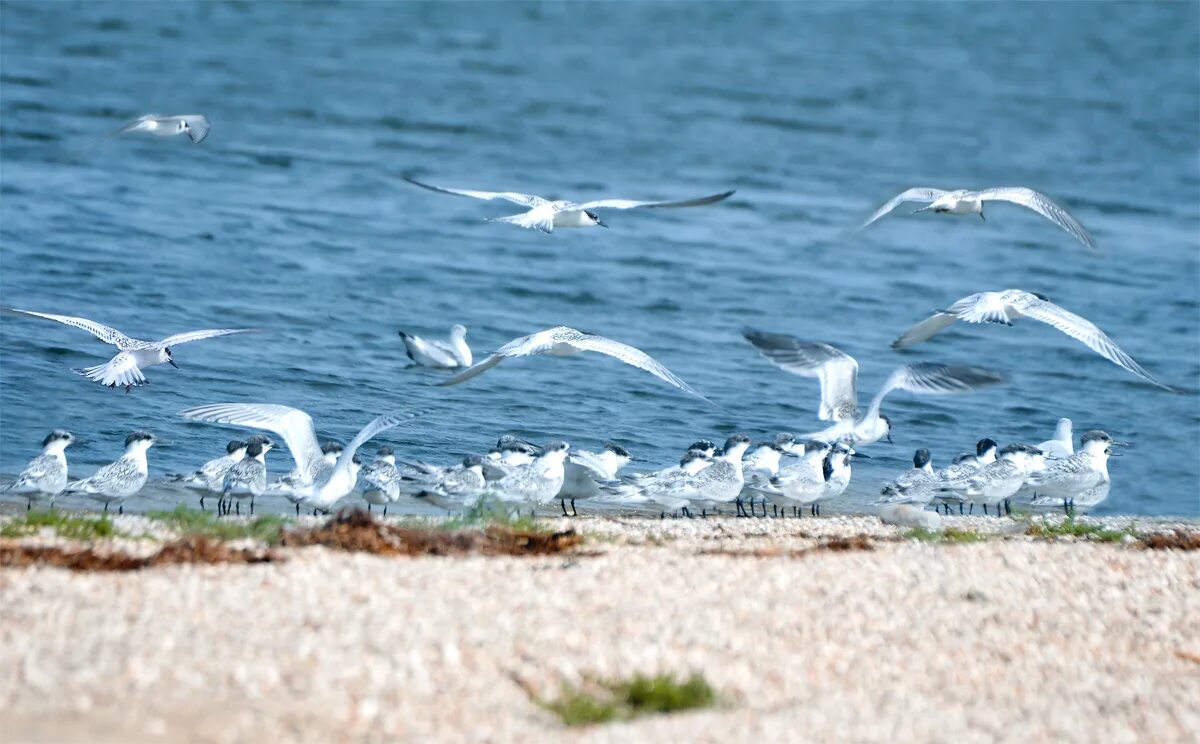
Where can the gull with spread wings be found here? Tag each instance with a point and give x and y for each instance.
(195, 126)
(564, 341)
(125, 369)
(838, 374)
(1011, 304)
(545, 214)
(964, 201)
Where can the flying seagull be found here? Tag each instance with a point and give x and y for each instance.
(838, 374)
(1011, 304)
(545, 215)
(439, 353)
(964, 201)
(125, 369)
(564, 341)
(195, 126)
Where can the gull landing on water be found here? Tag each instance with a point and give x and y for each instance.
(564, 341)
(125, 369)
(545, 215)
(964, 201)
(195, 126)
(1011, 304)
(838, 374)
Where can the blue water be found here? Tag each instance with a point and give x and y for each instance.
(293, 217)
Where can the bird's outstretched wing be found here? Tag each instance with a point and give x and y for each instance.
(982, 307)
(633, 357)
(918, 194)
(120, 371)
(132, 126)
(473, 371)
(377, 425)
(102, 332)
(527, 200)
(189, 336)
(1041, 204)
(1083, 330)
(836, 370)
(935, 379)
(292, 424)
(925, 330)
(198, 127)
(631, 204)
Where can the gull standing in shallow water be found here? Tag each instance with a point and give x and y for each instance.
(247, 477)
(838, 374)
(564, 341)
(963, 201)
(381, 480)
(210, 477)
(125, 369)
(1011, 304)
(46, 474)
(437, 353)
(538, 481)
(117, 481)
(545, 215)
(195, 126)
(584, 471)
(997, 483)
(1061, 481)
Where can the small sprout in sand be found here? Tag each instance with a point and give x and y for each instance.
(66, 525)
(192, 523)
(620, 700)
(948, 535)
(1071, 528)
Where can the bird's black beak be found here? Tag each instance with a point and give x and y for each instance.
(601, 223)
(172, 363)
(857, 455)
(1120, 444)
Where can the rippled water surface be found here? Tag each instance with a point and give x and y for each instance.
(293, 217)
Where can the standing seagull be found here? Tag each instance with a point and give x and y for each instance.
(247, 477)
(1063, 480)
(438, 353)
(545, 215)
(564, 341)
(46, 474)
(1011, 304)
(195, 126)
(125, 368)
(838, 373)
(1062, 445)
(963, 201)
(117, 481)
(211, 475)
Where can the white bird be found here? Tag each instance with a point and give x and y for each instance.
(545, 215)
(117, 481)
(295, 427)
(195, 126)
(583, 470)
(125, 369)
(838, 471)
(838, 374)
(46, 474)
(960, 467)
(998, 482)
(381, 480)
(963, 201)
(803, 482)
(1062, 481)
(564, 341)
(761, 464)
(450, 353)
(1012, 304)
(538, 481)
(1062, 445)
(718, 483)
(210, 476)
(901, 490)
(247, 478)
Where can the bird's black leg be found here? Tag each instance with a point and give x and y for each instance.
(741, 511)
(238, 506)
(985, 511)
(105, 507)
(121, 509)
(297, 508)
(563, 503)
(574, 511)
(385, 510)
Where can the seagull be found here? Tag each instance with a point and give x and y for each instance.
(296, 429)
(1062, 445)
(564, 341)
(195, 126)
(761, 464)
(125, 369)
(117, 481)
(248, 477)
(442, 485)
(963, 201)
(837, 471)
(838, 373)
(900, 490)
(46, 474)
(382, 479)
(538, 481)
(719, 482)
(960, 467)
(803, 482)
(210, 477)
(1064, 480)
(292, 486)
(1011, 304)
(545, 215)
(437, 353)
(583, 470)
(998, 482)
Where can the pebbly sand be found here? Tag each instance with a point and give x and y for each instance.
(1011, 639)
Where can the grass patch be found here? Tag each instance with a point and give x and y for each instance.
(192, 523)
(66, 525)
(948, 535)
(1071, 528)
(621, 700)
(491, 512)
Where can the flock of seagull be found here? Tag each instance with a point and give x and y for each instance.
(707, 478)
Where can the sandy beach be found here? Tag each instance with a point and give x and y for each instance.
(1013, 638)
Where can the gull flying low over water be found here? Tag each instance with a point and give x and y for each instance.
(545, 215)
(195, 126)
(964, 201)
(1012, 304)
(838, 374)
(564, 341)
(295, 427)
(439, 353)
(125, 369)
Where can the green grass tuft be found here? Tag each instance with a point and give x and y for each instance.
(65, 525)
(488, 512)
(948, 535)
(192, 523)
(640, 695)
(1070, 527)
